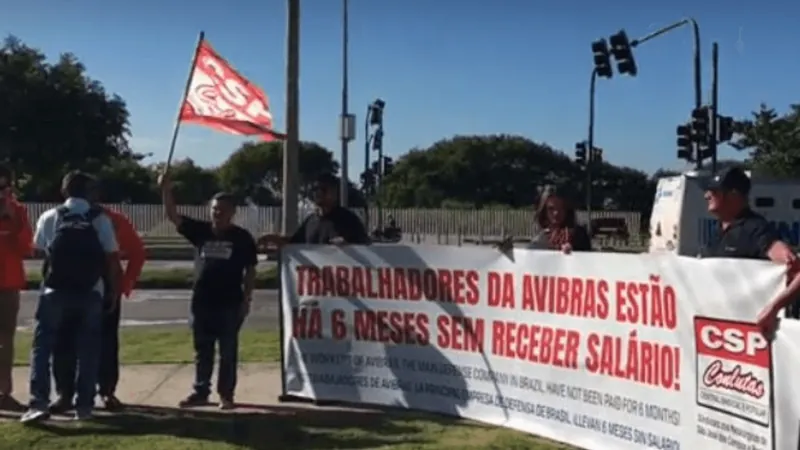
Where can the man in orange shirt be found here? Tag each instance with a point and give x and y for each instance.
(16, 243)
(131, 248)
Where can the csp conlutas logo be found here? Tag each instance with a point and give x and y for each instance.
(733, 369)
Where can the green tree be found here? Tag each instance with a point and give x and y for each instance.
(55, 118)
(772, 141)
(476, 171)
(255, 171)
(127, 181)
(192, 184)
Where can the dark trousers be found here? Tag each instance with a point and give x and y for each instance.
(212, 327)
(65, 357)
(9, 310)
(53, 311)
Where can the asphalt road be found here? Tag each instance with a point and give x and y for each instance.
(153, 307)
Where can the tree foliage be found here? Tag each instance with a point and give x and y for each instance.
(502, 170)
(772, 141)
(255, 171)
(55, 118)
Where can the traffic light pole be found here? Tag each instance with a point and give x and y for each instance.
(712, 145)
(698, 81)
(590, 151)
(379, 185)
(367, 139)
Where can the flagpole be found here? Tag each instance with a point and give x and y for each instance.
(291, 146)
(189, 78)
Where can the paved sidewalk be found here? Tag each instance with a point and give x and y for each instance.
(165, 385)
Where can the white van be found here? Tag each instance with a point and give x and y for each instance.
(680, 222)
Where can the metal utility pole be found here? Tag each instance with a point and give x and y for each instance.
(347, 122)
(291, 146)
(712, 145)
(590, 151)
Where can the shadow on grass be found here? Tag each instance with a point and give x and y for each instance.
(262, 427)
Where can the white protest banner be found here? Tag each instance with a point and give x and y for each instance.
(602, 351)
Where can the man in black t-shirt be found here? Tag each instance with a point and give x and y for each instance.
(332, 224)
(744, 234)
(223, 288)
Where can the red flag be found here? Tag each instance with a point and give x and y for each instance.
(219, 98)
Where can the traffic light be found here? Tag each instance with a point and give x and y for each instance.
(685, 142)
(706, 153)
(596, 156)
(700, 125)
(377, 140)
(368, 182)
(725, 128)
(602, 59)
(376, 112)
(580, 153)
(621, 49)
(388, 165)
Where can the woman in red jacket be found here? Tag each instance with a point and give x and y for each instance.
(16, 243)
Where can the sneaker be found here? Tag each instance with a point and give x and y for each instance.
(62, 405)
(81, 415)
(9, 403)
(226, 404)
(112, 403)
(194, 400)
(34, 415)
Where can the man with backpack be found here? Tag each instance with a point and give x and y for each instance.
(131, 248)
(80, 249)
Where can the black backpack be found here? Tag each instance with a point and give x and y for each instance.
(75, 258)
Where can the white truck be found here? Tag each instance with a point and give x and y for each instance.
(681, 224)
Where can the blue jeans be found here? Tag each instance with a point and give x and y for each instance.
(211, 326)
(56, 308)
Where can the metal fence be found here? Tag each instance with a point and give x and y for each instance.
(151, 222)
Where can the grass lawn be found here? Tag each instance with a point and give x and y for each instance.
(283, 427)
(173, 345)
(173, 278)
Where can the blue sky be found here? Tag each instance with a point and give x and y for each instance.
(443, 67)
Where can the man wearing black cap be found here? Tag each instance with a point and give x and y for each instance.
(332, 224)
(746, 234)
